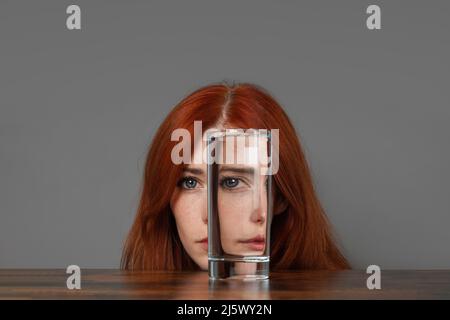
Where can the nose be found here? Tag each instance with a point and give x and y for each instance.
(259, 214)
(205, 214)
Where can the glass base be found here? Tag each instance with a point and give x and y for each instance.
(248, 269)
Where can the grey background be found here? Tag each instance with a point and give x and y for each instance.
(78, 110)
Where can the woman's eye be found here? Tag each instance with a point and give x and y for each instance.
(230, 183)
(189, 183)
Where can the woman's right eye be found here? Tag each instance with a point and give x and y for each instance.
(188, 183)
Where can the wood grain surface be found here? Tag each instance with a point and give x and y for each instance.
(118, 284)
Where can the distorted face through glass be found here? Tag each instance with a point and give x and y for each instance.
(241, 183)
(239, 194)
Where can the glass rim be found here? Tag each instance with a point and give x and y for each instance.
(238, 132)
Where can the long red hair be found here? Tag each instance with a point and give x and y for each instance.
(300, 236)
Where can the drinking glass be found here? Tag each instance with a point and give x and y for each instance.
(239, 184)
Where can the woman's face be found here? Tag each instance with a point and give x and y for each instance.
(189, 206)
(242, 210)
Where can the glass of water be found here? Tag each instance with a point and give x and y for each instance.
(239, 183)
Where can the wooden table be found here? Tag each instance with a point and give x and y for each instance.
(117, 284)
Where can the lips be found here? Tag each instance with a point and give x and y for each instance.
(258, 238)
(204, 243)
(256, 243)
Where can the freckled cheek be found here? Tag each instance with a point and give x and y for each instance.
(190, 206)
(188, 214)
(233, 208)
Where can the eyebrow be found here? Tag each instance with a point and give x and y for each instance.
(245, 170)
(194, 171)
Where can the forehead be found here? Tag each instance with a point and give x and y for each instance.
(251, 150)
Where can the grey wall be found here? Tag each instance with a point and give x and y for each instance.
(78, 110)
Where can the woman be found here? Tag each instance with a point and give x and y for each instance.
(171, 220)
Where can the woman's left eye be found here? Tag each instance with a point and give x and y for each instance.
(230, 183)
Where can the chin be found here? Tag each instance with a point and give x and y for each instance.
(203, 264)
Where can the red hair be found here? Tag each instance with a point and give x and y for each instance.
(300, 235)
